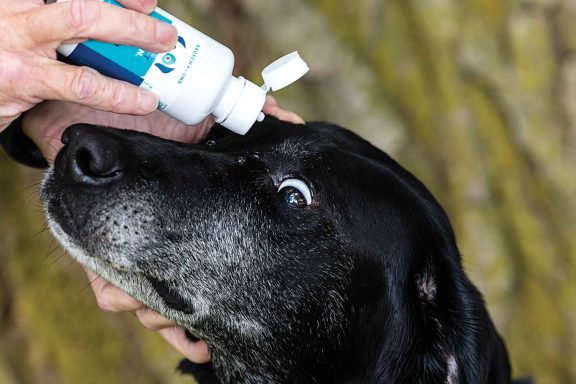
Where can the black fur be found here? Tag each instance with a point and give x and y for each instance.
(365, 285)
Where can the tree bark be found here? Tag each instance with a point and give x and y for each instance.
(476, 97)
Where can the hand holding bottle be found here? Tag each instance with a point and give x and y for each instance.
(194, 80)
(30, 73)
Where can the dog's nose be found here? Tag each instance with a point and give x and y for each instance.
(92, 156)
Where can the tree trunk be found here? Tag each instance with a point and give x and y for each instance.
(476, 97)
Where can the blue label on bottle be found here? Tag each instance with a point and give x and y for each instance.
(122, 62)
(85, 56)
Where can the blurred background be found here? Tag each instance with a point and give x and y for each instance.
(476, 97)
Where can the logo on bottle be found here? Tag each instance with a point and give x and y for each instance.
(168, 60)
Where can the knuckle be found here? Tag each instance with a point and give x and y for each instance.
(118, 99)
(83, 85)
(82, 14)
(10, 111)
(139, 25)
(145, 319)
(14, 68)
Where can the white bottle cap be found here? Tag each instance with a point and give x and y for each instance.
(284, 71)
(241, 104)
(249, 101)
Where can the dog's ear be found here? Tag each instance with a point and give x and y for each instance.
(456, 334)
(439, 316)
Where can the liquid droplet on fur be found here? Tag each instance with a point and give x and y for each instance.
(241, 160)
(210, 143)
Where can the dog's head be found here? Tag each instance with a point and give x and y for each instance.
(298, 252)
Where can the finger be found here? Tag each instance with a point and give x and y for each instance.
(152, 320)
(145, 6)
(195, 351)
(85, 86)
(272, 108)
(109, 297)
(283, 115)
(87, 19)
(271, 102)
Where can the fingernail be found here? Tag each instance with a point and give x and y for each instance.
(149, 5)
(147, 101)
(166, 34)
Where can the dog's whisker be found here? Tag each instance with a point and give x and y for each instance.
(56, 260)
(27, 188)
(68, 265)
(40, 232)
(31, 200)
(90, 283)
(49, 139)
(52, 240)
(49, 143)
(53, 250)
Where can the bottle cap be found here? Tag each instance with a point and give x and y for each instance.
(249, 101)
(284, 71)
(241, 104)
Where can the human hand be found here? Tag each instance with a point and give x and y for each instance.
(30, 72)
(112, 299)
(46, 122)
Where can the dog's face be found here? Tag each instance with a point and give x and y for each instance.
(289, 250)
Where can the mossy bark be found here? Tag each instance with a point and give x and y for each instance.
(476, 97)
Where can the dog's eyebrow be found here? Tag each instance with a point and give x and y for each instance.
(294, 148)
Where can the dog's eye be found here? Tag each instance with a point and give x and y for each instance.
(296, 193)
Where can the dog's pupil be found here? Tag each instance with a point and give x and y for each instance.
(294, 198)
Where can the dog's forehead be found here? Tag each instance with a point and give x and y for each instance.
(296, 147)
(284, 147)
(303, 142)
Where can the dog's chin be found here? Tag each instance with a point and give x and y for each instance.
(133, 283)
(100, 255)
(103, 266)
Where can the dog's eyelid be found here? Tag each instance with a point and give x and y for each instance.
(300, 186)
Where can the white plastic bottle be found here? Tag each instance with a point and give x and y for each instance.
(193, 80)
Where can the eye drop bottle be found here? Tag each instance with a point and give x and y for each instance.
(194, 79)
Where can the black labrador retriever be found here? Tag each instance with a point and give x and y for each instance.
(299, 253)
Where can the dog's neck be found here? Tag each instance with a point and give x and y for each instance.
(344, 356)
(250, 361)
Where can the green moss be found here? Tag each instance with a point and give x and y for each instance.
(479, 88)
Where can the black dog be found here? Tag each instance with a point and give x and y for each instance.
(300, 253)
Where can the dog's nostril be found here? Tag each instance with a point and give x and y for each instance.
(96, 166)
(94, 156)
